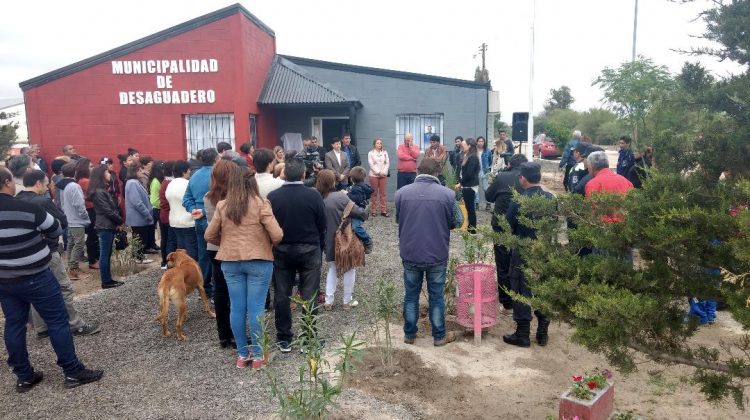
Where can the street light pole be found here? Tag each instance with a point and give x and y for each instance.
(632, 59)
(530, 129)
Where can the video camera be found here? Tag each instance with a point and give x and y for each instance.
(312, 160)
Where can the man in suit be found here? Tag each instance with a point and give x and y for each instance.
(337, 161)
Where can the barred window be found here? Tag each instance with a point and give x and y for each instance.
(207, 130)
(422, 127)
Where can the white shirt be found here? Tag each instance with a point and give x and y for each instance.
(266, 183)
(178, 216)
(338, 157)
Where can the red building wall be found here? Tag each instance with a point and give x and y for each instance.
(83, 108)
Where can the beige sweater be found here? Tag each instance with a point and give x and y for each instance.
(250, 240)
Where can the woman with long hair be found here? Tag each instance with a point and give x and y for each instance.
(498, 157)
(468, 180)
(168, 242)
(245, 230)
(108, 220)
(278, 155)
(485, 164)
(138, 214)
(83, 173)
(377, 158)
(217, 191)
(335, 203)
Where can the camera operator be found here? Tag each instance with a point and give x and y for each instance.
(312, 159)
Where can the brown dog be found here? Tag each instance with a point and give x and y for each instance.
(183, 276)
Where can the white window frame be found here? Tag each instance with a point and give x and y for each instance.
(211, 136)
(422, 123)
(318, 133)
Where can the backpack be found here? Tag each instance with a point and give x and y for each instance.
(348, 250)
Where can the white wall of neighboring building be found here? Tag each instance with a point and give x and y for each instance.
(17, 107)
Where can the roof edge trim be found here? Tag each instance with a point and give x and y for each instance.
(145, 42)
(386, 73)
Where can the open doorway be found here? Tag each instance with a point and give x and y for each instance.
(326, 128)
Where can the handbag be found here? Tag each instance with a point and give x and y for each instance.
(348, 249)
(121, 240)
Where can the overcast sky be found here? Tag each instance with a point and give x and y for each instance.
(575, 39)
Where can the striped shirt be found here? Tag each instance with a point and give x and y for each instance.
(23, 228)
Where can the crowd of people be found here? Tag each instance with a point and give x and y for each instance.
(256, 220)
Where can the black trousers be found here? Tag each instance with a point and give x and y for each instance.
(164, 240)
(471, 208)
(521, 311)
(502, 268)
(566, 176)
(92, 239)
(221, 299)
(141, 233)
(290, 259)
(152, 233)
(404, 178)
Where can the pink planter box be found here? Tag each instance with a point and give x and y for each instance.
(597, 408)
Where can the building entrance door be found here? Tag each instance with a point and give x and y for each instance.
(326, 128)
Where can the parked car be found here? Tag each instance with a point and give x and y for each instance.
(546, 150)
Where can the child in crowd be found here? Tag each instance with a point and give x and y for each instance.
(360, 193)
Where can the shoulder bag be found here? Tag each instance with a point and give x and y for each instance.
(348, 250)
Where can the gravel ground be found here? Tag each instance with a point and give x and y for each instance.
(148, 376)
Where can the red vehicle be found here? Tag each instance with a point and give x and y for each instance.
(546, 149)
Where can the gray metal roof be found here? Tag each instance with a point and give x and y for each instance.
(289, 84)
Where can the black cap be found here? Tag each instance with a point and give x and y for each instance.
(529, 170)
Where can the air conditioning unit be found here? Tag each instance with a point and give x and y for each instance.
(493, 102)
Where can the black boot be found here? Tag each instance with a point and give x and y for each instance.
(541, 329)
(519, 338)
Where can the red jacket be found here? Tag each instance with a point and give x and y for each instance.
(606, 181)
(407, 158)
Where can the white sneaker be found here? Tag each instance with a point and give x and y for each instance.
(146, 261)
(350, 305)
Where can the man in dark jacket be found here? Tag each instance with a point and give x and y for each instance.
(26, 281)
(351, 151)
(301, 214)
(36, 186)
(426, 212)
(625, 158)
(529, 178)
(501, 193)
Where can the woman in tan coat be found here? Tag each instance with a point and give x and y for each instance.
(245, 230)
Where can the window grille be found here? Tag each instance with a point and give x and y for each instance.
(207, 130)
(422, 127)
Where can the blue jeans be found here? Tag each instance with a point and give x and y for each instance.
(247, 282)
(186, 239)
(204, 260)
(413, 275)
(358, 227)
(106, 236)
(43, 293)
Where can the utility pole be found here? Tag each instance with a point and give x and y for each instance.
(632, 59)
(530, 129)
(483, 50)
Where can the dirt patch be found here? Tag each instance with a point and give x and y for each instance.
(426, 390)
